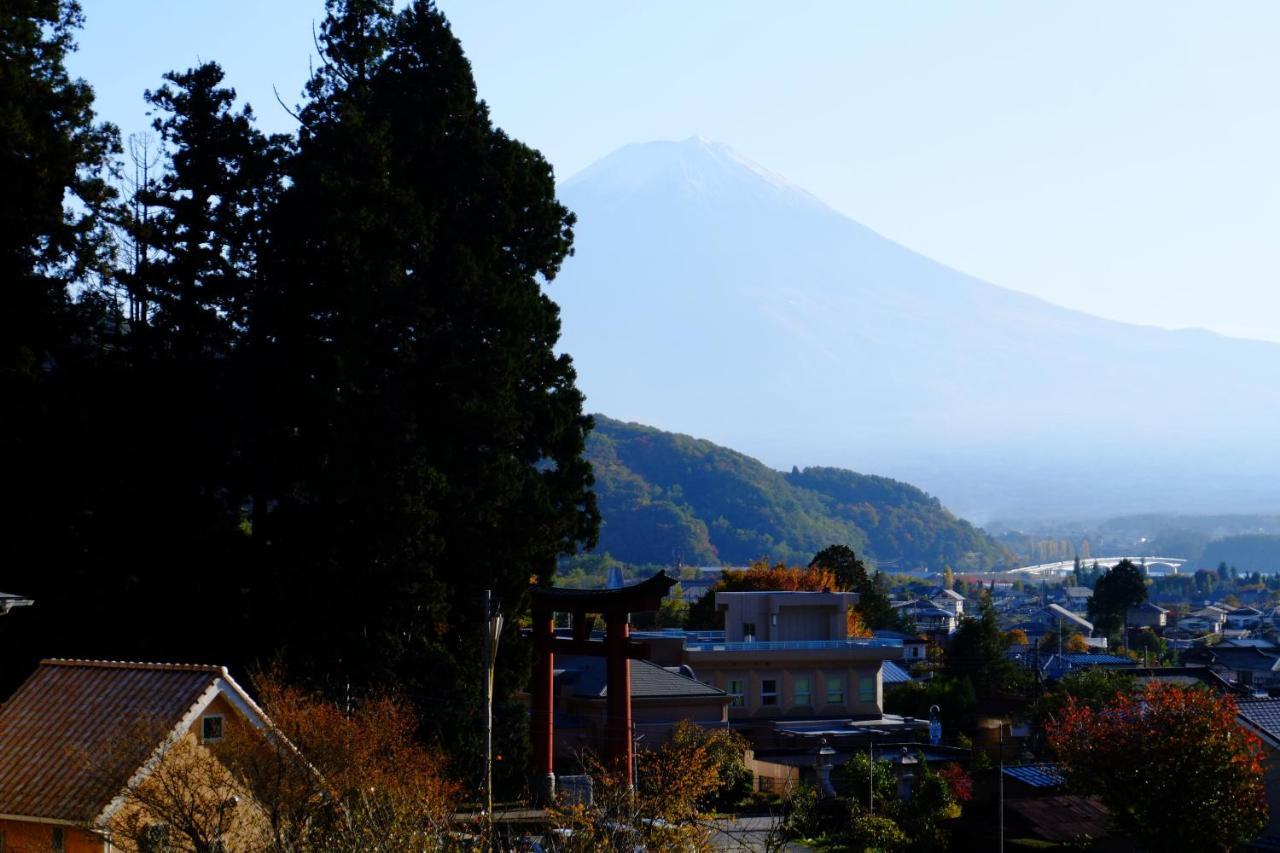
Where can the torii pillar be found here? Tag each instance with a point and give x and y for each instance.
(616, 605)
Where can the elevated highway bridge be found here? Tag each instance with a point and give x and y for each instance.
(1170, 565)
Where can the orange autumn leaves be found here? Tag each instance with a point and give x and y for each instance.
(761, 576)
(1164, 757)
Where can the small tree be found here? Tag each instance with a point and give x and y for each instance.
(677, 782)
(186, 801)
(1167, 757)
(332, 780)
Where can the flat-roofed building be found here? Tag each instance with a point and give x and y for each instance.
(779, 616)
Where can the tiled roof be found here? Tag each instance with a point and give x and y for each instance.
(1037, 775)
(1061, 818)
(648, 680)
(922, 606)
(1262, 714)
(1243, 658)
(66, 748)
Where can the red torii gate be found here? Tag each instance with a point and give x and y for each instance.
(616, 606)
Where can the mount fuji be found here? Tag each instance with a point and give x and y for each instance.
(708, 295)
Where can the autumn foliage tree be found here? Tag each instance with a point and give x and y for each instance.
(1167, 757)
(329, 778)
(677, 784)
(763, 576)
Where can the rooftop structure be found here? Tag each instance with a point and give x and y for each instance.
(781, 616)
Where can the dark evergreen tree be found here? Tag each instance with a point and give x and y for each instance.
(54, 246)
(430, 437)
(54, 160)
(153, 529)
(341, 415)
(206, 231)
(873, 602)
(1115, 592)
(976, 653)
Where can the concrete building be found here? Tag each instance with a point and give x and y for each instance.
(784, 616)
(788, 654)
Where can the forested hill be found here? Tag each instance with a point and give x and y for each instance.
(666, 498)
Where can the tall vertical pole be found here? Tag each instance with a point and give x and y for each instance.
(871, 784)
(488, 706)
(1001, 741)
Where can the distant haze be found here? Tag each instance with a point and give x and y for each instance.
(710, 296)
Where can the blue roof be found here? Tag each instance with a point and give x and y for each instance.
(894, 674)
(790, 645)
(1037, 775)
(1080, 659)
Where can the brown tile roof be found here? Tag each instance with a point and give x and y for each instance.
(69, 736)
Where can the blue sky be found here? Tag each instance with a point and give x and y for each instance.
(1115, 158)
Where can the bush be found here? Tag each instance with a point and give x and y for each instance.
(868, 831)
(803, 820)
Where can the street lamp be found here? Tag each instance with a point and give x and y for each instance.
(492, 632)
(822, 765)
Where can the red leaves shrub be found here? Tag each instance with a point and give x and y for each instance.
(959, 781)
(1167, 757)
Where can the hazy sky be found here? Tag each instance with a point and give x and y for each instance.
(1119, 158)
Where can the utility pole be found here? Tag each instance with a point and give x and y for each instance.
(871, 782)
(1001, 780)
(492, 631)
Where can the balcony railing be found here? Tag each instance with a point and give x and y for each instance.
(792, 645)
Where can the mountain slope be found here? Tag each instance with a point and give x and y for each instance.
(711, 296)
(670, 498)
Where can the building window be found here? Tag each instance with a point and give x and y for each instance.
(748, 631)
(211, 728)
(768, 691)
(154, 839)
(801, 695)
(835, 691)
(866, 688)
(59, 839)
(737, 690)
